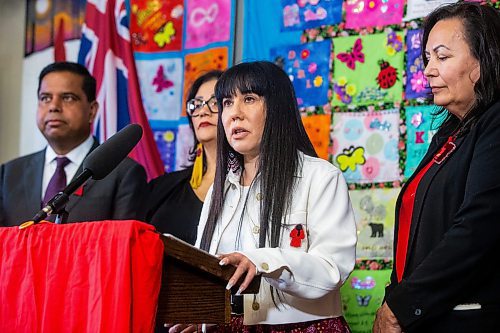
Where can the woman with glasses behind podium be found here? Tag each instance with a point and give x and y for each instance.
(176, 198)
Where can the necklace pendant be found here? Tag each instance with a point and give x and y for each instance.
(256, 229)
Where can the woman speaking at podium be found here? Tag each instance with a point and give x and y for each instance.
(275, 209)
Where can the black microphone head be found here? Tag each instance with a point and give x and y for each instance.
(102, 160)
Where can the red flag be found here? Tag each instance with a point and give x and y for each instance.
(106, 51)
(59, 49)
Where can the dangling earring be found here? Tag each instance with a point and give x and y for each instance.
(233, 163)
(197, 174)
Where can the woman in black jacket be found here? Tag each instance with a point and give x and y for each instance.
(447, 234)
(176, 199)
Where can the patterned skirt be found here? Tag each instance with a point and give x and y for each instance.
(329, 325)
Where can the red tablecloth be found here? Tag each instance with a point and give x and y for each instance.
(82, 277)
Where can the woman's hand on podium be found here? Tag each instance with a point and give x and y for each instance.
(189, 328)
(183, 328)
(243, 266)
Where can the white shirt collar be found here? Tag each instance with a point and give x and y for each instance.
(76, 156)
(233, 177)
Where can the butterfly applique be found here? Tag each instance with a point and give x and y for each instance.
(363, 300)
(350, 158)
(352, 55)
(165, 35)
(161, 81)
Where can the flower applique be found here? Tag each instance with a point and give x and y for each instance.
(418, 82)
(344, 91)
(394, 43)
(417, 119)
(291, 15)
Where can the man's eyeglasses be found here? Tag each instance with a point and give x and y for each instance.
(195, 105)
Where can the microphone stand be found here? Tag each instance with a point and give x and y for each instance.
(58, 203)
(62, 213)
(62, 216)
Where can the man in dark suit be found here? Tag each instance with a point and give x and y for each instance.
(67, 107)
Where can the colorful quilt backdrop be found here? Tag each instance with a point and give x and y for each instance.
(176, 41)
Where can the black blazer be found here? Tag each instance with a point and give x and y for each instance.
(118, 196)
(173, 207)
(454, 237)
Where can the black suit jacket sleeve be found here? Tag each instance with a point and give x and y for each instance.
(130, 193)
(456, 266)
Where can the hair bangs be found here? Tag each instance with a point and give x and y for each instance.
(242, 78)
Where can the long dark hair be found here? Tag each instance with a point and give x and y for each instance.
(482, 33)
(208, 76)
(283, 137)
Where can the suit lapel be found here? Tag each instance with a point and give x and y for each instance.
(426, 159)
(74, 199)
(32, 181)
(423, 188)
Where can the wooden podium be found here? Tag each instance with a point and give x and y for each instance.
(193, 288)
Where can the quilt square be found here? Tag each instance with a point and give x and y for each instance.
(174, 140)
(421, 125)
(308, 67)
(421, 8)
(318, 130)
(373, 13)
(306, 14)
(165, 141)
(365, 145)
(363, 293)
(208, 21)
(196, 64)
(416, 82)
(161, 87)
(156, 26)
(375, 213)
(368, 69)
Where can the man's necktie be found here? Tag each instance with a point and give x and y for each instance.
(58, 181)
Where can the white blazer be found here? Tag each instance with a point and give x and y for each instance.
(311, 275)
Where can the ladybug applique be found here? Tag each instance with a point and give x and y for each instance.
(388, 75)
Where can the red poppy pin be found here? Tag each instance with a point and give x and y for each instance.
(79, 191)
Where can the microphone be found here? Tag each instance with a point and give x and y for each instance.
(98, 164)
